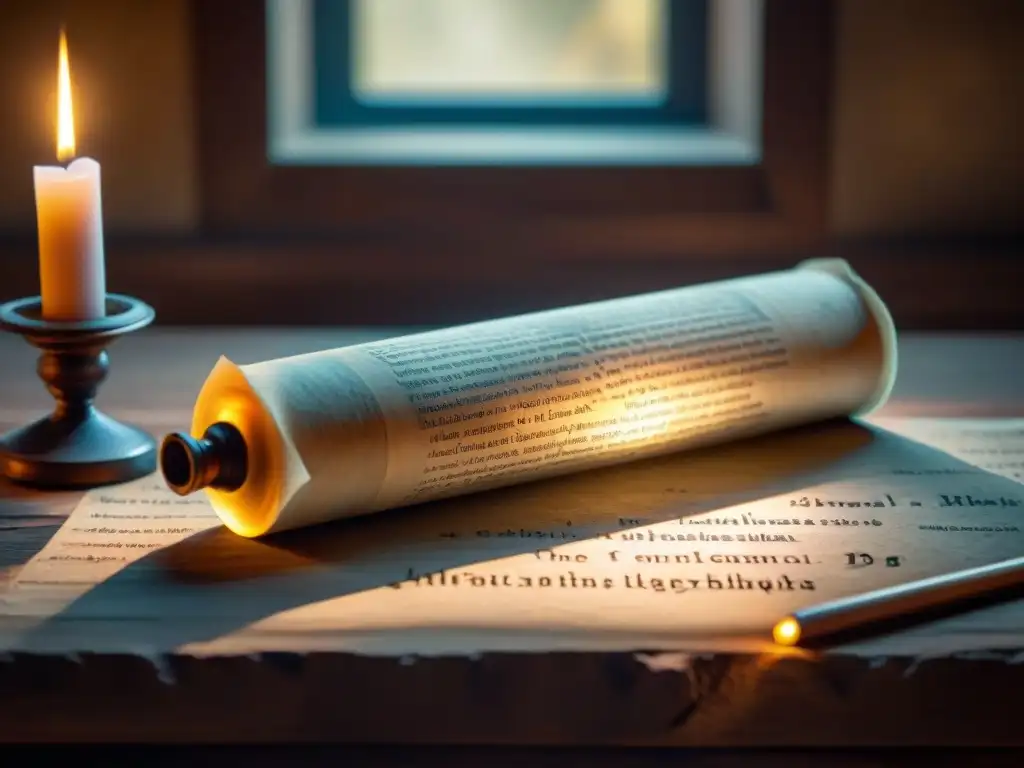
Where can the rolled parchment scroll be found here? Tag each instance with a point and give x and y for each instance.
(314, 437)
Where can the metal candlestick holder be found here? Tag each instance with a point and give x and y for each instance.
(77, 445)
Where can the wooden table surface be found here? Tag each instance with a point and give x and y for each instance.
(156, 374)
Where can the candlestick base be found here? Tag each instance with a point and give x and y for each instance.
(77, 445)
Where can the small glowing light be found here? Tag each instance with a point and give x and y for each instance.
(65, 114)
(787, 632)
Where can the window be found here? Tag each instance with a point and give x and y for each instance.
(551, 82)
(397, 187)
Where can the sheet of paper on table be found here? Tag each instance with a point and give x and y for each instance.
(698, 551)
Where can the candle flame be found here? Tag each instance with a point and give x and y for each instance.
(65, 114)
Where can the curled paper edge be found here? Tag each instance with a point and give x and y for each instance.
(883, 321)
(276, 471)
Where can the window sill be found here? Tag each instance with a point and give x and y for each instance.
(503, 146)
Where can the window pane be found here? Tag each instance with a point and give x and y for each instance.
(442, 50)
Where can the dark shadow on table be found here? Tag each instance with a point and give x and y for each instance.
(215, 582)
(28, 519)
(470, 756)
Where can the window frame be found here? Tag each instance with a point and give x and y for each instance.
(515, 238)
(706, 123)
(657, 212)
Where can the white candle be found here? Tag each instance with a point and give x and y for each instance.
(69, 217)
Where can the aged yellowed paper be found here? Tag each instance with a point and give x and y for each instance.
(699, 551)
(343, 432)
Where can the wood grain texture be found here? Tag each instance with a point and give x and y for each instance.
(340, 280)
(394, 756)
(565, 699)
(553, 699)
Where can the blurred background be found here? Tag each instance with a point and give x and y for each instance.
(430, 161)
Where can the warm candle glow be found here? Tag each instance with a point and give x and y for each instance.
(65, 114)
(787, 632)
(69, 219)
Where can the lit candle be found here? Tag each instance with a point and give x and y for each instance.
(72, 275)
